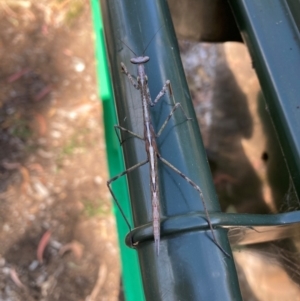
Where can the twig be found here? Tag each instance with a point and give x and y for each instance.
(100, 281)
(42, 246)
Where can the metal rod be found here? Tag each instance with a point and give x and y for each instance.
(189, 266)
(151, 147)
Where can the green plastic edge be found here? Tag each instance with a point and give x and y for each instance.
(131, 276)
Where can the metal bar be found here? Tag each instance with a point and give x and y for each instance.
(197, 220)
(131, 276)
(271, 31)
(190, 266)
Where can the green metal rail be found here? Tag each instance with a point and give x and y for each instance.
(131, 275)
(270, 29)
(190, 266)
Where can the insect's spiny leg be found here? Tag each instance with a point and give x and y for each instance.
(149, 97)
(162, 92)
(133, 82)
(166, 86)
(116, 178)
(195, 186)
(171, 93)
(177, 105)
(127, 131)
(119, 206)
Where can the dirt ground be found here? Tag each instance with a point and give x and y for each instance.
(57, 231)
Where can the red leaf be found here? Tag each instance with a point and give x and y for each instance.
(42, 245)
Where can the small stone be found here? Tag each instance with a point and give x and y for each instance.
(40, 189)
(6, 270)
(98, 180)
(55, 244)
(78, 65)
(34, 264)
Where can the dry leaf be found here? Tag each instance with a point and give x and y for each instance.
(102, 273)
(26, 178)
(42, 245)
(42, 125)
(15, 278)
(46, 90)
(17, 75)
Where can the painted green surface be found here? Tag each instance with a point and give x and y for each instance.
(188, 262)
(133, 289)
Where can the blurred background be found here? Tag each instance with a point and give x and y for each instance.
(52, 158)
(57, 230)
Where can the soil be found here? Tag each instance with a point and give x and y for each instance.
(57, 232)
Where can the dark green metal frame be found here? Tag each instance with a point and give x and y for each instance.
(131, 275)
(190, 266)
(270, 29)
